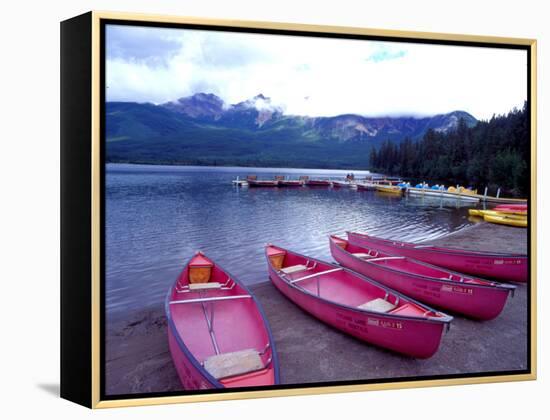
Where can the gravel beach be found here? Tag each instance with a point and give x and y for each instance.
(138, 359)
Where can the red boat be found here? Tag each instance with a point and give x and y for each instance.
(318, 183)
(292, 182)
(471, 296)
(356, 304)
(217, 332)
(502, 266)
(253, 181)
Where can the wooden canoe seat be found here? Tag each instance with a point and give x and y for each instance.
(378, 305)
(232, 364)
(361, 255)
(293, 269)
(204, 286)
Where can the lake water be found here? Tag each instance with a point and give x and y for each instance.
(158, 216)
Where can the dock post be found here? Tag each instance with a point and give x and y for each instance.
(498, 193)
(485, 194)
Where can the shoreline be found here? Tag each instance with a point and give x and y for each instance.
(138, 359)
(263, 168)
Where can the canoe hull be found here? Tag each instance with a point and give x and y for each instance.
(399, 335)
(497, 266)
(196, 336)
(472, 300)
(191, 377)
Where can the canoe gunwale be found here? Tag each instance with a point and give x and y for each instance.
(191, 357)
(495, 286)
(185, 350)
(441, 250)
(445, 319)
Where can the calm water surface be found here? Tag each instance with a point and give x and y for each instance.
(158, 216)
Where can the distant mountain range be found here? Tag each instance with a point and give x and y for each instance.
(203, 130)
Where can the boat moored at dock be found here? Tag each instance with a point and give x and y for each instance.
(318, 183)
(389, 189)
(343, 184)
(253, 181)
(285, 182)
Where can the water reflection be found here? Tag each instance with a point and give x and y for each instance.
(157, 217)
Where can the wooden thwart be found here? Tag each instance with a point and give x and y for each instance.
(210, 299)
(316, 275)
(204, 286)
(386, 258)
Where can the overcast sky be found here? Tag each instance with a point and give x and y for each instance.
(313, 76)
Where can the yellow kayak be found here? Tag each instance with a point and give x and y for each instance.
(482, 213)
(389, 189)
(504, 220)
(461, 190)
(514, 212)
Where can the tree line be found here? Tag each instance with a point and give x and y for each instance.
(492, 153)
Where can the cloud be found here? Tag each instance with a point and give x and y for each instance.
(142, 45)
(313, 76)
(384, 54)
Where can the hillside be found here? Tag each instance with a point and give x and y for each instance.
(202, 130)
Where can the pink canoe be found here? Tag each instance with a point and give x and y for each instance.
(473, 297)
(508, 267)
(217, 332)
(357, 305)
